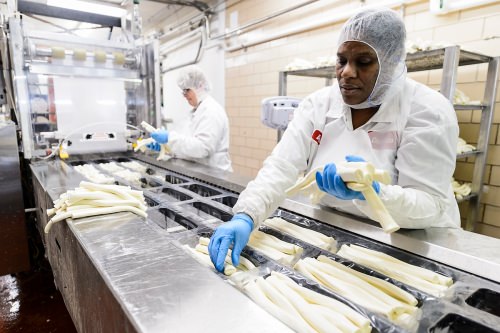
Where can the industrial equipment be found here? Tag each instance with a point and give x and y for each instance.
(79, 96)
(277, 112)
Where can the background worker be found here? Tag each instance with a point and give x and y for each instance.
(372, 112)
(206, 137)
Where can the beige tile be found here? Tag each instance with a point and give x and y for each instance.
(488, 230)
(473, 90)
(491, 195)
(493, 134)
(482, 71)
(421, 77)
(469, 132)
(409, 22)
(464, 31)
(464, 116)
(426, 20)
(463, 171)
(481, 11)
(495, 176)
(493, 155)
(491, 24)
(488, 47)
(476, 116)
(421, 35)
(415, 8)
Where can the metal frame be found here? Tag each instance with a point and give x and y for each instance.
(448, 59)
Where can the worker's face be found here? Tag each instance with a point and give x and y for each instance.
(190, 96)
(357, 70)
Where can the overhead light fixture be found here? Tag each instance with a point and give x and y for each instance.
(88, 7)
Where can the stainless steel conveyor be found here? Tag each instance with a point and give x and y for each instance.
(123, 273)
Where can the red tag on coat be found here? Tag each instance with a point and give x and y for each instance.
(316, 136)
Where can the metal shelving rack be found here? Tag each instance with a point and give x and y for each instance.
(448, 59)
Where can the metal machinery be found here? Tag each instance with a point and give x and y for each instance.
(78, 94)
(123, 273)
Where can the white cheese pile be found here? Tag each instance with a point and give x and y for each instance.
(200, 252)
(135, 166)
(111, 167)
(464, 147)
(417, 277)
(309, 236)
(131, 176)
(91, 173)
(372, 293)
(460, 190)
(96, 199)
(302, 309)
(274, 248)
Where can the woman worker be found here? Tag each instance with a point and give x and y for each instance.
(372, 112)
(207, 138)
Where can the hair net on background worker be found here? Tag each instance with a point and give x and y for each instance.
(192, 77)
(384, 31)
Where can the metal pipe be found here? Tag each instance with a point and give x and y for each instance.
(196, 59)
(176, 43)
(311, 26)
(261, 20)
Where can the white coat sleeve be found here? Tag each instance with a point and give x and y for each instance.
(281, 169)
(207, 132)
(425, 162)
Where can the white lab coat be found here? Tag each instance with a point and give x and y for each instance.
(413, 136)
(206, 138)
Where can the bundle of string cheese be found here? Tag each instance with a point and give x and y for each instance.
(111, 167)
(302, 309)
(131, 176)
(200, 252)
(418, 277)
(274, 248)
(96, 199)
(358, 176)
(91, 173)
(135, 166)
(372, 293)
(464, 147)
(460, 190)
(309, 236)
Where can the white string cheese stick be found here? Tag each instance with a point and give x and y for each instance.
(362, 286)
(92, 212)
(274, 242)
(421, 272)
(390, 269)
(314, 319)
(335, 319)
(349, 291)
(259, 297)
(316, 298)
(383, 285)
(309, 236)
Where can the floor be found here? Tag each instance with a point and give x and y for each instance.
(29, 302)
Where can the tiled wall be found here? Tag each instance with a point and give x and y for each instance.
(252, 74)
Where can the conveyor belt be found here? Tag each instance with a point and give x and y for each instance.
(186, 209)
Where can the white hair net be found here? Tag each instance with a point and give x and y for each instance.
(192, 77)
(384, 31)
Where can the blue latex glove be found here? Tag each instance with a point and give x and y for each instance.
(330, 182)
(236, 231)
(154, 146)
(160, 136)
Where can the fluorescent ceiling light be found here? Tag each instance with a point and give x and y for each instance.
(88, 7)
